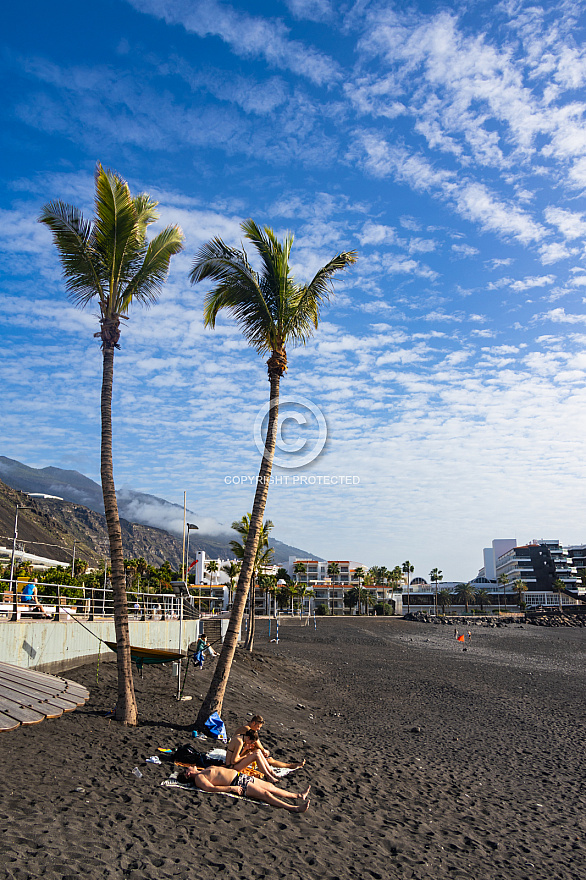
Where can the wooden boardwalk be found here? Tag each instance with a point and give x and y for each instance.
(28, 697)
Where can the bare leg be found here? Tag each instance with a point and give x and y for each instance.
(296, 766)
(280, 792)
(267, 797)
(249, 758)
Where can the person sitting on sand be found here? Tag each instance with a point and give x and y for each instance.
(240, 756)
(222, 779)
(30, 597)
(256, 722)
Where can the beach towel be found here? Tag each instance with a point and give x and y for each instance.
(219, 756)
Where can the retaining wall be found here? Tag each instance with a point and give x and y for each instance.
(54, 646)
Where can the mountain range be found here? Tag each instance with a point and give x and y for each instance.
(151, 527)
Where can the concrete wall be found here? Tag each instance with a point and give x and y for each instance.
(54, 646)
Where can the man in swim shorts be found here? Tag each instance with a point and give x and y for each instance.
(224, 780)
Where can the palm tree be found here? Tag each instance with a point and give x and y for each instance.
(444, 597)
(559, 587)
(482, 597)
(212, 567)
(465, 594)
(264, 555)
(273, 310)
(299, 568)
(333, 571)
(232, 569)
(520, 588)
(408, 570)
(360, 574)
(110, 261)
(435, 576)
(504, 580)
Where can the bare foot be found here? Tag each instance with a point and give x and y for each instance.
(303, 807)
(298, 766)
(305, 793)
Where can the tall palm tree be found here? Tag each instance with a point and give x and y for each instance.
(504, 580)
(482, 597)
(110, 261)
(408, 570)
(436, 576)
(273, 311)
(444, 597)
(212, 567)
(465, 594)
(559, 587)
(520, 588)
(264, 556)
(232, 569)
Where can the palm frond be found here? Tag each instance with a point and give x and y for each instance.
(116, 233)
(304, 315)
(72, 238)
(146, 212)
(150, 277)
(237, 289)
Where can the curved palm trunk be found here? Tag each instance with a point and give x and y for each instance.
(126, 710)
(215, 696)
(251, 617)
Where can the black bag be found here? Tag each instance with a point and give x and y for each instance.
(188, 755)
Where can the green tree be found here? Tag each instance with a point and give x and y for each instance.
(299, 569)
(436, 576)
(465, 594)
(273, 311)
(503, 579)
(444, 597)
(559, 587)
(263, 557)
(110, 262)
(352, 598)
(212, 567)
(232, 569)
(333, 571)
(408, 569)
(520, 588)
(482, 597)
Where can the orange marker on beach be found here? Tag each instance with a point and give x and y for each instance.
(462, 638)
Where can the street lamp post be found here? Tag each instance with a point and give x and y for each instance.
(189, 527)
(12, 584)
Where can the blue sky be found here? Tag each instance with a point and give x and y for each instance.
(444, 142)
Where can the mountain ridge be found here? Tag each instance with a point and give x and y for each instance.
(141, 513)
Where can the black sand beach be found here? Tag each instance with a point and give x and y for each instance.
(426, 761)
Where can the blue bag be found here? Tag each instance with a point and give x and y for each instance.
(216, 727)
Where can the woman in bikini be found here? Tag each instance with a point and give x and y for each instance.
(222, 779)
(242, 751)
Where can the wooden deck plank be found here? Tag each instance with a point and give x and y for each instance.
(7, 723)
(20, 713)
(38, 687)
(46, 706)
(49, 683)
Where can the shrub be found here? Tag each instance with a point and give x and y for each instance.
(383, 609)
(322, 610)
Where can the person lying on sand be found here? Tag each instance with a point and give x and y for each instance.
(222, 779)
(243, 750)
(256, 722)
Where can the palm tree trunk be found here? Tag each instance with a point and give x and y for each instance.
(126, 710)
(215, 696)
(251, 616)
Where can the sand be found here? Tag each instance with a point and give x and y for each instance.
(426, 761)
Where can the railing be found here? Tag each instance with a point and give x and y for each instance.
(86, 603)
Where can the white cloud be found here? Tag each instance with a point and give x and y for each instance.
(532, 282)
(570, 223)
(247, 35)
